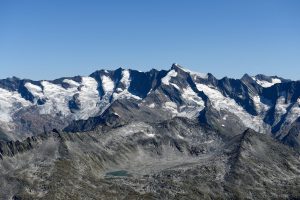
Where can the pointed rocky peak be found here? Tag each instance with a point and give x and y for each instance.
(247, 78)
(177, 67)
(196, 75)
(178, 70)
(183, 77)
(251, 84)
(176, 77)
(250, 81)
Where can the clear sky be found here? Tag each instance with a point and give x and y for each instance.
(46, 39)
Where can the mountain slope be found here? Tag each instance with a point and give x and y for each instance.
(174, 159)
(232, 105)
(169, 134)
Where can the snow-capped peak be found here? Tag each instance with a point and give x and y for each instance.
(176, 66)
(265, 81)
(177, 92)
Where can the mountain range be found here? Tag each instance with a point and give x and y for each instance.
(168, 134)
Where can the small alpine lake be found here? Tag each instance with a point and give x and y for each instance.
(119, 173)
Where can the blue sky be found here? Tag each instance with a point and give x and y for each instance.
(46, 39)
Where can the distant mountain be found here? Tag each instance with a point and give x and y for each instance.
(265, 104)
(169, 134)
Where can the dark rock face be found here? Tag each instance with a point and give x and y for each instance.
(292, 138)
(11, 148)
(74, 103)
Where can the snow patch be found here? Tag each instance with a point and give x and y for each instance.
(125, 93)
(35, 90)
(191, 97)
(209, 141)
(71, 82)
(151, 135)
(189, 111)
(57, 99)
(169, 105)
(118, 90)
(107, 83)
(175, 86)
(260, 107)
(167, 78)
(294, 114)
(116, 114)
(89, 98)
(10, 103)
(125, 78)
(266, 84)
(133, 128)
(152, 105)
(281, 106)
(180, 137)
(220, 102)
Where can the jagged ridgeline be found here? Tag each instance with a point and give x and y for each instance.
(169, 134)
